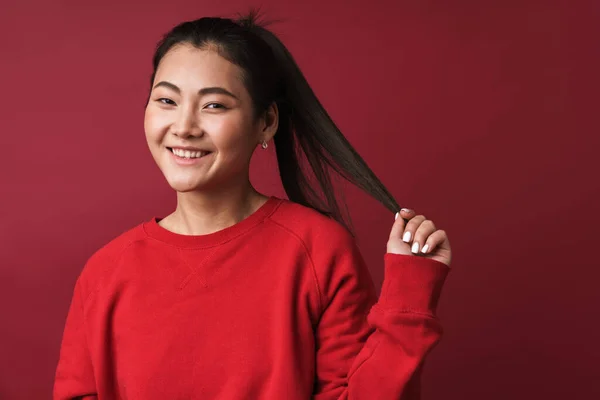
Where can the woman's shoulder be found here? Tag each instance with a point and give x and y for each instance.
(310, 225)
(106, 256)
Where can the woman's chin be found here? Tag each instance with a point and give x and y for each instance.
(184, 186)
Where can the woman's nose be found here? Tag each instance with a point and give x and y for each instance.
(187, 123)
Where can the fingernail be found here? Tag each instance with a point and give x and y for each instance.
(406, 210)
(415, 247)
(425, 248)
(406, 237)
(397, 215)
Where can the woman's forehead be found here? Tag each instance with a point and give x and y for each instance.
(194, 68)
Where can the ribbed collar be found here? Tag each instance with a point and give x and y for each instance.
(154, 230)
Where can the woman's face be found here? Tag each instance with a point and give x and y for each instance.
(199, 120)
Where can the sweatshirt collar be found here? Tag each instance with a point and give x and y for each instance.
(155, 231)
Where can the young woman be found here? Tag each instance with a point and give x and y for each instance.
(239, 295)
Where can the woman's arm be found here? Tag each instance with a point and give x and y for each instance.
(369, 348)
(74, 377)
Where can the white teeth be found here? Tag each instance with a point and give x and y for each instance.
(188, 154)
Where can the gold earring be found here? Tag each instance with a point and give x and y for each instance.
(264, 144)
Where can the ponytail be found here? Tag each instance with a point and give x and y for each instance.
(306, 129)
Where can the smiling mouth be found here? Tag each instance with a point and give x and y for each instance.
(187, 154)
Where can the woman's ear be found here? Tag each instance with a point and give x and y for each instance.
(270, 122)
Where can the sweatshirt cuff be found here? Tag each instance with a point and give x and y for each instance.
(411, 283)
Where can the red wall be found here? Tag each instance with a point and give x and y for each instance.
(478, 114)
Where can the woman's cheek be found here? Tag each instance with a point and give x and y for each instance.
(156, 125)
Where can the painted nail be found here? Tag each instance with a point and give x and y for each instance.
(415, 247)
(425, 248)
(406, 236)
(396, 215)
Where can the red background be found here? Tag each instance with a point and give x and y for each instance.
(478, 114)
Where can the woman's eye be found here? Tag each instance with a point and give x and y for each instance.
(217, 105)
(162, 98)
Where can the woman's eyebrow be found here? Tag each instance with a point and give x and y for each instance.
(203, 91)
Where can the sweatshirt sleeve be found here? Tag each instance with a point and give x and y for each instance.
(374, 349)
(74, 378)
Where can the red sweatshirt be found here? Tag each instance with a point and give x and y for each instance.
(278, 306)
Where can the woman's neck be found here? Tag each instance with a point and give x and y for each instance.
(201, 213)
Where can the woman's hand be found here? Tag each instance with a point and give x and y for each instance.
(419, 237)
